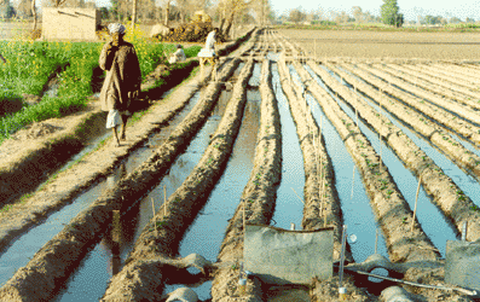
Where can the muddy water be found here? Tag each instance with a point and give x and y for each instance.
(23, 249)
(207, 232)
(432, 220)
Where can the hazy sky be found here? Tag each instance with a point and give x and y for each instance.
(410, 8)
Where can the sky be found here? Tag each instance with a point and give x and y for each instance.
(409, 8)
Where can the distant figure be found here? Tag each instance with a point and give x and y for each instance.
(177, 56)
(122, 82)
(208, 54)
(211, 39)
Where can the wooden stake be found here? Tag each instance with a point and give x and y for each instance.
(154, 218)
(298, 196)
(416, 201)
(116, 226)
(244, 218)
(165, 201)
(380, 142)
(376, 240)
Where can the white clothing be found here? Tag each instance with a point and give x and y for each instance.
(116, 28)
(113, 119)
(178, 56)
(210, 42)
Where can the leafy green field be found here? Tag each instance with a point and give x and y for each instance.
(29, 65)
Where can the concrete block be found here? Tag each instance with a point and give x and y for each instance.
(462, 266)
(281, 256)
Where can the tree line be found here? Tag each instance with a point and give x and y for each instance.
(223, 12)
(389, 14)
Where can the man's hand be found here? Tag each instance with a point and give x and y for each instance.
(111, 48)
(133, 94)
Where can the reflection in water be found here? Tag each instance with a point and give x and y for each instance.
(206, 234)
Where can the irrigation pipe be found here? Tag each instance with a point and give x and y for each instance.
(411, 283)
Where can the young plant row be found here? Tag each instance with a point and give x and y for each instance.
(390, 207)
(439, 109)
(438, 135)
(436, 86)
(455, 205)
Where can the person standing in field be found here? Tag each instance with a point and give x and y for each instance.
(210, 42)
(122, 82)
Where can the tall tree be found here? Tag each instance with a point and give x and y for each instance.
(390, 15)
(228, 10)
(6, 9)
(167, 4)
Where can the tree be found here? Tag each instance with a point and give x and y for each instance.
(433, 20)
(24, 9)
(228, 10)
(6, 9)
(455, 20)
(167, 4)
(389, 13)
(297, 15)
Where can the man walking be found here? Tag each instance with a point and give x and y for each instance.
(122, 82)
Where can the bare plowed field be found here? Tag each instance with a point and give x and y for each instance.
(387, 147)
(387, 45)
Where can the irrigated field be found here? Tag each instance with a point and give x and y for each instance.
(356, 137)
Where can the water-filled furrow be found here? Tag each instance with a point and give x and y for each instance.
(109, 254)
(207, 231)
(463, 180)
(428, 215)
(356, 210)
(289, 207)
(463, 154)
(350, 189)
(41, 234)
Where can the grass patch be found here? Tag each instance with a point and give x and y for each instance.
(29, 65)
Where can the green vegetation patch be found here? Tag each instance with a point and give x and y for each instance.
(30, 65)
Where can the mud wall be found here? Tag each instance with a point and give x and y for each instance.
(77, 24)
